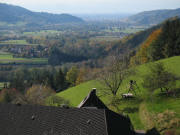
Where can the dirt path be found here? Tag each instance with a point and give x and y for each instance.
(145, 117)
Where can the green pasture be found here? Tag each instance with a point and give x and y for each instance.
(8, 59)
(142, 105)
(15, 42)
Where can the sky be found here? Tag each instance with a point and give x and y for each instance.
(94, 6)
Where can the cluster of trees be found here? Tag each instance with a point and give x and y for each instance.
(23, 78)
(131, 41)
(34, 85)
(5, 72)
(39, 85)
(162, 43)
(168, 42)
(141, 56)
(37, 94)
(57, 57)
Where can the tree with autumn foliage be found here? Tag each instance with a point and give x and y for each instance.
(162, 43)
(37, 94)
(168, 43)
(81, 76)
(72, 75)
(141, 56)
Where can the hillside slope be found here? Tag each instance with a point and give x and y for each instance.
(161, 43)
(14, 14)
(76, 94)
(132, 41)
(139, 107)
(153, 17)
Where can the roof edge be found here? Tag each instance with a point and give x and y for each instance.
(106, 122)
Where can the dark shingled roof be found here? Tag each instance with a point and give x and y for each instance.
(44, 120)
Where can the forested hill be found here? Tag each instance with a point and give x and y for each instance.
(131, 42)
(14, 14)
(153, 17)
(164, 42)
(158, 42)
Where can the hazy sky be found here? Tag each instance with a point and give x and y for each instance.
(95, 6)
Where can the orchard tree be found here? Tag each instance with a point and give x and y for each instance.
(159, 78)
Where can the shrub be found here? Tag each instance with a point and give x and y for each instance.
(37, 94)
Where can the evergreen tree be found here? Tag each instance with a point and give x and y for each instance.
(60, 81)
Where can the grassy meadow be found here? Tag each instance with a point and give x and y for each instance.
(143, 107)
(9, 59)
(15, 42)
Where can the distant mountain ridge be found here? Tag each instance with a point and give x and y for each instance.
(14, 14)
(153, 17)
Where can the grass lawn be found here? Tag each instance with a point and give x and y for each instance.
(15, 42)
(76, 94)
(8, 59)
(139, 107)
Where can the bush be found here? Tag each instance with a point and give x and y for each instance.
(167, 121)
(37, 94)
(56, 101)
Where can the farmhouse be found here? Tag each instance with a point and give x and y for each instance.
(91, 117)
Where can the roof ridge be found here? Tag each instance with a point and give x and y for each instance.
(92, 100)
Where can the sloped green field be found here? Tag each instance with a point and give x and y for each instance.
(137, 108)
(76, 94)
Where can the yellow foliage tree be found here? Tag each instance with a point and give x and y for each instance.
(80, 78)
(141, 55)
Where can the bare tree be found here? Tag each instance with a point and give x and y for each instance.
(113, 75)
